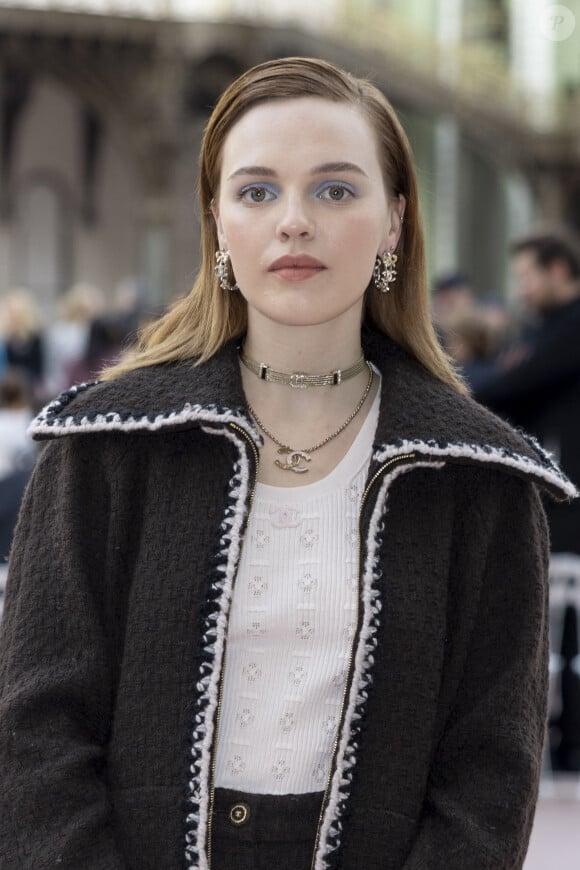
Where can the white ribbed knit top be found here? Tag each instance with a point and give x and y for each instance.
(293, 617)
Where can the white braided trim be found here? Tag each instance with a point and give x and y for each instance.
(214, 644)
(114, 422)
(49, 423)
(331, 826)
(484, 453)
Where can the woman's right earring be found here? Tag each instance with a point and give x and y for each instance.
(384, 273)
(221, 269)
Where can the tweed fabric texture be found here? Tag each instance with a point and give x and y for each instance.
(117, 605)
(278, 833)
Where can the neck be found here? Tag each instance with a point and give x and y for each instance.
(568, 292)
(311, 349)
(560, 296)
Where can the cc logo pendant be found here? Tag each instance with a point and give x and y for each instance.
(294, 460)
(298, 381)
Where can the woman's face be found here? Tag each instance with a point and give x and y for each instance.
(303, 210)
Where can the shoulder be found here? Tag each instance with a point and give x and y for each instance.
(154, 398)
(423, 416)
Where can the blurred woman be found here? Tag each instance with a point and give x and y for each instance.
(67, 339)
(16, 445)
(20, 329)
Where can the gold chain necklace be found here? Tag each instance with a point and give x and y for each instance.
(295, 458)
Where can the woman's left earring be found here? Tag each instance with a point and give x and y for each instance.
(384, 273)
(221, 269)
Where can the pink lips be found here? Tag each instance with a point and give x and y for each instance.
(296, 268)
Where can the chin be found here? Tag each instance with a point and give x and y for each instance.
(303, 313)
(304, 320)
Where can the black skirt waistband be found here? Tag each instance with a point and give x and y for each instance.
(261, 832)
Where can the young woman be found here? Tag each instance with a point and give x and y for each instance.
(277, 596)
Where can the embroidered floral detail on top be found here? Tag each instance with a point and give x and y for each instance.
(309, 539)
(297, 675)
(245, 717)
(258, 585)
(308, 582)
(280, 770)
(305, 630)
(252, 672)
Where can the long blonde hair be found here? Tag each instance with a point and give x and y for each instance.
(199, 324)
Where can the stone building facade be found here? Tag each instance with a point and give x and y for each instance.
(101, 116)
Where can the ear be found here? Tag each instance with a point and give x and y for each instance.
(395, 223)
(219, 227)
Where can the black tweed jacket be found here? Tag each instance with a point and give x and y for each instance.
(120, 579)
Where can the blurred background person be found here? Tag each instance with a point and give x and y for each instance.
(67, 339)
(129, 311)
(3, 361)
(16, 412)
(536, 385)
(451, 295)
(107, 338)
(537, 381)
(20, 329)
(472, 326)
(471, 342)
(17, 452)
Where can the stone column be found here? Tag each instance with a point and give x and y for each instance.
(4, 227)
(533, 59)
(155, 254)
(158, 138)
(14, 93)
(447, 144)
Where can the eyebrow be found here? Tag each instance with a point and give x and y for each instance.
(266, 172)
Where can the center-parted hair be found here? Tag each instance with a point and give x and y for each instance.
(200, 323)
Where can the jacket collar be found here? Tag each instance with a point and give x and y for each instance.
(419, 414)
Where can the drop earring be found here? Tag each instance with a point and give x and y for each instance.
(384, 273)
(221, 270)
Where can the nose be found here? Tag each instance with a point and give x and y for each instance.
(295, 221)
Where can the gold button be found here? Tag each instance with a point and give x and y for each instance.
(239, 814)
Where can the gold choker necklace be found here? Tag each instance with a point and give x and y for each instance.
(295, 459)
(300, 380)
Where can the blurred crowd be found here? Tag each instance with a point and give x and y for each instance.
(520, 357)
(40, 359)
(73, 346)
(522, 360)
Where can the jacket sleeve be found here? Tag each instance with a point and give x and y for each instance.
(483, 783)
(56, 672)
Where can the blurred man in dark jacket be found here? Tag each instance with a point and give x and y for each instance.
(538, 388)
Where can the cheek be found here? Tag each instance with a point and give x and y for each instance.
(530, 285)
(241, 235)
(357, 241)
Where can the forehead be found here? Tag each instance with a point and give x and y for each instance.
(304, 128)
(526, 259)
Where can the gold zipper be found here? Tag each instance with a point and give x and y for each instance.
(371, 483)
(223, 668)
(256, 460)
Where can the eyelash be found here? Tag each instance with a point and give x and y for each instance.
(327, 186)
(254, 187)
(336, 185)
